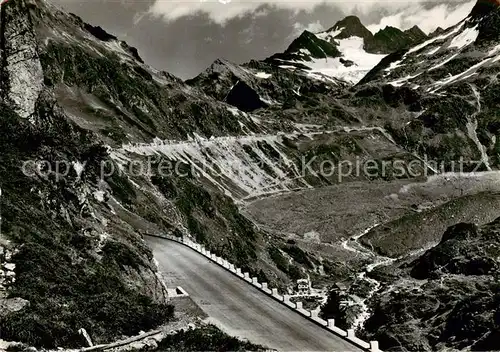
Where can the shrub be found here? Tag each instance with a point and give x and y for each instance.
(207, 338)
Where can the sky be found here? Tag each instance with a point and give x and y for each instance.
(183, 37)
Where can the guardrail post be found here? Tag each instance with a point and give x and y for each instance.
(85, 334)
(255, 282)
(372, 346)
(288, 302)
(350, 334)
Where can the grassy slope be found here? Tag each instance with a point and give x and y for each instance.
(416, 231)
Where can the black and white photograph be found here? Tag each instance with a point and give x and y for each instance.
(249, 175)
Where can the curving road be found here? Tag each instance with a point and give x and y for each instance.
(238, 308)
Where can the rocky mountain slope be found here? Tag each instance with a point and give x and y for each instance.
(68, 262)
(118, 149)
(455, 75)
(446, 298)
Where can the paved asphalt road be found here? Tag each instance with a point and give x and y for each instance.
(237, 307)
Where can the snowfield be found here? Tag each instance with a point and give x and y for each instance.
(467, 37)
(328, 36)
(263, 75)
(352, 50)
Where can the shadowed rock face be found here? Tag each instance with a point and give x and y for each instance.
(486, 13)
(308, 41)
(244, 98)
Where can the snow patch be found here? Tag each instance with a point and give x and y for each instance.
(235, 111)
(433, 51)
(463, 75)
(288, 67)
(467, 37)
(305, 51)
(268, 101)
(394, 65)
(78, 167)
(435, 39)
(312, 236)
(402, 81)
(444, 62)
(328, 36)
(263, 75)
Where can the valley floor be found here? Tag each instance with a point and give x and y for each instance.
(358, 223)
(333, 214)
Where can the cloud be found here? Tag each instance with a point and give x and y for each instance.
(313, 27)
(402, 13)
(184, 38)
(428, 19)
(221, 10)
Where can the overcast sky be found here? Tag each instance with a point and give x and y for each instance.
(185, 37)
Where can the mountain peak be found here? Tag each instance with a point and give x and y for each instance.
(484, 7)
(416, 31)
(306, 35)
(391, 39)
(486, 15)
(349, 27)
(389, 29)
(314, 46)
(437, 31)
(349, 20)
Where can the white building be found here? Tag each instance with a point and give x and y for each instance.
(303, 287)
